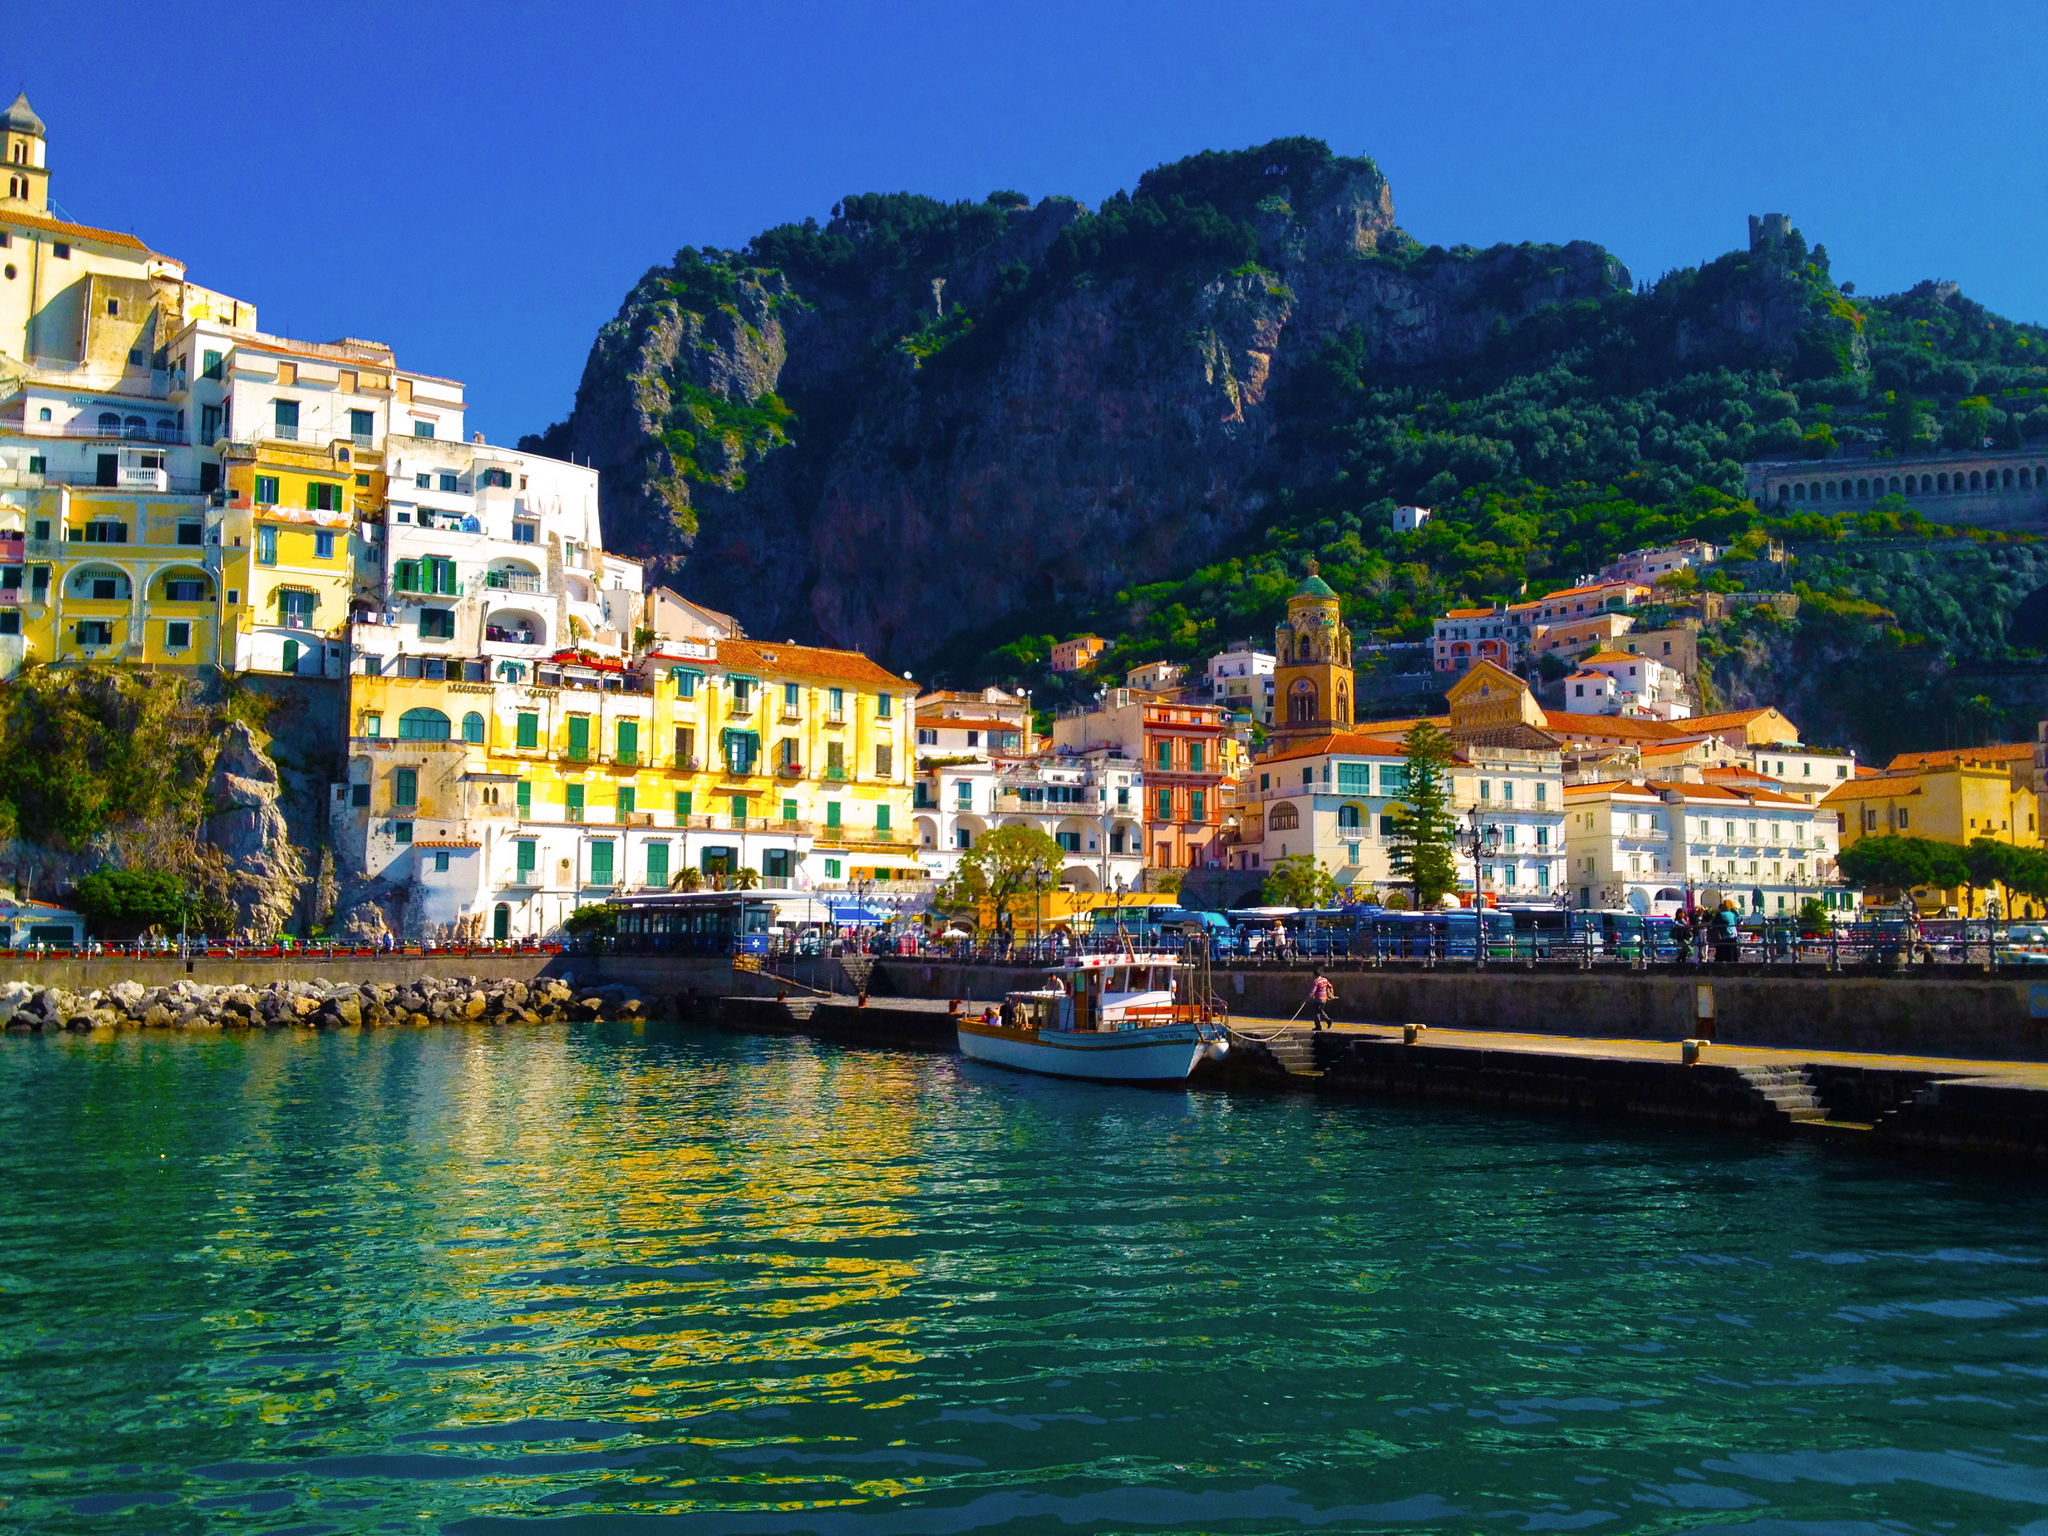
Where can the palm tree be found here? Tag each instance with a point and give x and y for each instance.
(687, 879)
(747, 879)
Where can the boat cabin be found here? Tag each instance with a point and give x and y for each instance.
(1104, 992)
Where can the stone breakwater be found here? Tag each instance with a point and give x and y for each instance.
(315, 1004)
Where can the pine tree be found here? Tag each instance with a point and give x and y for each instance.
(1423, 851)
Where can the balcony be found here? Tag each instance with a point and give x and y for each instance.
(512, 581)
(741, 709)
(852, 837)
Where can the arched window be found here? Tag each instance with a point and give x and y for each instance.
(1863, 489)
(1784, 493)
(1895, 485)
(1301, 649)
(166, 430)
(423, 725)
(1912, 484)
(135, 426)
(1941, 484)
(1283, 818)
(1301, 703)
(1976, 481)
(1831, 490)
(1849, 488)
(2023, 479)
(2008, 479)
(501, 921)
(1798, 491)
(110, 423)
(473, 727)
(1814, 491)
(1349, 818)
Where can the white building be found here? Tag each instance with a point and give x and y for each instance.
(1638, 684)
(1090, 803)
(1647, 565)
(1408, 519)
(1241, 680)
(1637, 844)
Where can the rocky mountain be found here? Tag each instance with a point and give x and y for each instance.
(920, 418)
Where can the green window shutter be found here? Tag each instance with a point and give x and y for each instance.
(529, 730)
(789, 810)
(524, 796)
(831, 813)
(579, 737)
(881, 818)
(1194, 805)
(629, 800)
(1194, 757)
(572, 795)
(526, 847)
(601, 863)
(312, 496)
(657, 864)
(739, 809)
(629, 740)
(682, 803)
(405, 787)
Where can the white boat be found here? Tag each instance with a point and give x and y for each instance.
(1123, 1018)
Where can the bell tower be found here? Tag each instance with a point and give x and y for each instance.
(1313, 686)
(23, 162)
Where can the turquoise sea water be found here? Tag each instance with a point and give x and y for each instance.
(657, 1279)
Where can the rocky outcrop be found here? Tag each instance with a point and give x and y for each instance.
(921, 419)
(315, 1004)
(265, 871)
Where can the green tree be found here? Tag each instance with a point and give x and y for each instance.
(121, 903)
(1300, 880)
(1899, 864)
(1813, 916)
(588, 921)
(1423, 852)
(1004, 865)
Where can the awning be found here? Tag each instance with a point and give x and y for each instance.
(849, 916)
(870, 860)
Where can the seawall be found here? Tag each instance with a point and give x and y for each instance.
(1971, 1014)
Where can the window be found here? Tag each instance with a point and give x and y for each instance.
(601, 862)
(686, 746)
(927, 738)
(835, 759)
(1354, 779)
(627, 742)
(1348, 817)
(742, 750)
(359, 796)
(974, 738)
(266, 490)
(405, 786)
(527, 734)
(739, 811)
(523, 859)
(1542, 793)
(885, 760)
(579, 738)
(832, 865)
(95, 632)
(522, 796)
(423, 429)
(831, 813)
(1165, 755)
(1194, 757)
(373, 725)
(178, 635)
(448, 482)
(423, 482)
(61, 250)
(285, 414)
(440, 863)
(791, 693)
(1393, 778)
(525, 533)
(401, 833)
(1164, 805)
(437, 623)
(323, 546)
(473, 727)
(572, 797)
(963, 791)
(684, 800)
(1070, 842)
(210, 364)
(501, 478)
(1195, 801)
(789, 810)
(742, 695)
(657, 865)
(37, 464)
(321, 496)
(835, 703)
(629, 801)
(884, 704)
(422, 725)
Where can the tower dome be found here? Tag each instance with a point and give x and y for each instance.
(21, 117)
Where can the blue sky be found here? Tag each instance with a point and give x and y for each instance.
(479, 184)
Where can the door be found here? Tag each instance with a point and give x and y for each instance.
(109, 469)
(501, 921)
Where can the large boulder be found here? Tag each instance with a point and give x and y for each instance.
(265, 872)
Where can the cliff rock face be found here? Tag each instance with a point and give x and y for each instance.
(919, 420)
(265, 871)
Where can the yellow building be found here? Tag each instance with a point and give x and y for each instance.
(1952, 797)
(286, 557)
(1312, 676)
(508, 805)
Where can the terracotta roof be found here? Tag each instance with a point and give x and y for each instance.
(1732, 717)
(1598, 586)
(803, 660)
(2005, 752)
(1562, 722)
(1582, 672)
(1471, 613)
(75, 231)
(1733, 796)
(1341, 741)
(1879, 787)
(1599, 656)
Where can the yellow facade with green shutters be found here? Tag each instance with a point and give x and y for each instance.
(109, 575)
(596, 778)
(287, 557)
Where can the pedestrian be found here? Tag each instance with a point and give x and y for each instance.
(1727, 930)
(1320, 992)
(1681, 937)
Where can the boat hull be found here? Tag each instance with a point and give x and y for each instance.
(1165, 1055)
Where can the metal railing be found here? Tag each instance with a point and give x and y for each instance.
(512, 581)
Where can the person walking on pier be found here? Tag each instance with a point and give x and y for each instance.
(1320, 992)
(1726, 928)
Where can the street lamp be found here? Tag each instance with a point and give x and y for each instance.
(1037, 899)
(1480, 842)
